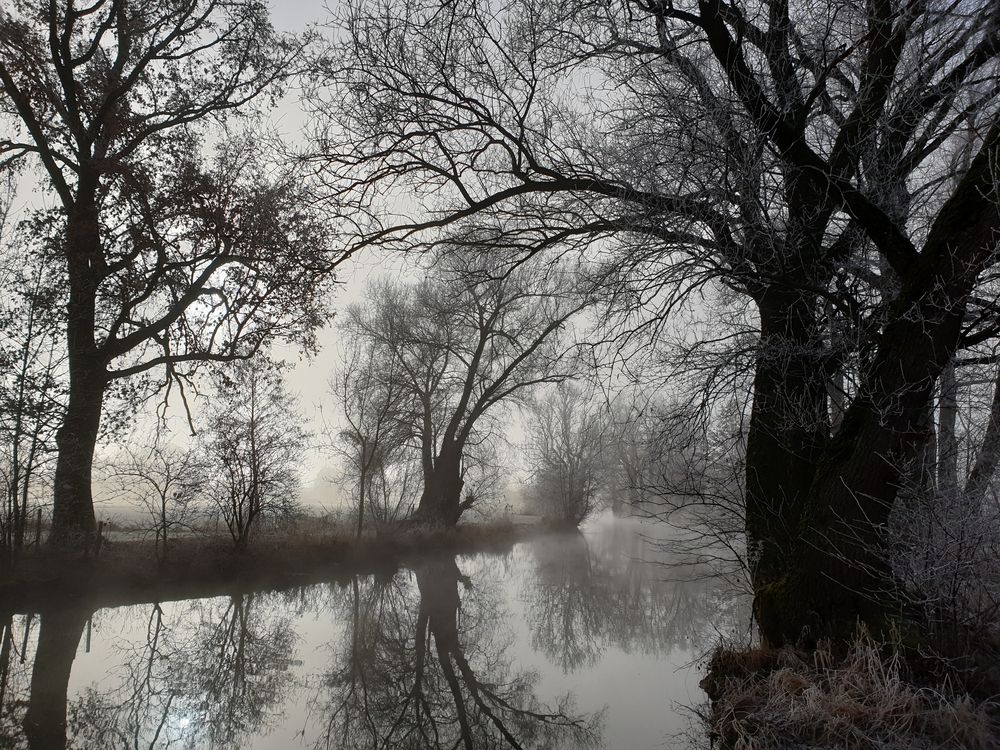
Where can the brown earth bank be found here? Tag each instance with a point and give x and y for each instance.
(872, 695)
(128, 572)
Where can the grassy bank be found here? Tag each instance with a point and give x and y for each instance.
(764, 699)
(127, 571)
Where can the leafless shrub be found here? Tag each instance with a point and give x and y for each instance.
(166, 481)
(943, 549)
(254, 444)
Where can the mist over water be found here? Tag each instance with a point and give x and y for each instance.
(567, 640)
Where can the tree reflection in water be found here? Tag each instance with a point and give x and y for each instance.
(618, 588)
(59, 634)
(425, 666)
(214, 675)
(218, 676)
(421, 658)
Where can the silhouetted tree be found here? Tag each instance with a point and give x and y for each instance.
(373, 401)
(463, 346)
(32, 389)
(166, 257)
(165, 480)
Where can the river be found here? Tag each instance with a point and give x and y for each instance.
(592, 639)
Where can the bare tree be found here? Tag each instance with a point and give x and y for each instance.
(373, 401)
(32, 388)
(254, 443)
(568, 441)
(165, 480)
(464, 346)
(630, 440)
(166, 258)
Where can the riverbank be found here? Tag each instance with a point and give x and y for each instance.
(128, 572)
(765, 699)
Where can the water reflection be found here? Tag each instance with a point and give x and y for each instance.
(427, 668)
(211, 674)
(623, 588)
(58, 636)
(217, 675)
(476, 652)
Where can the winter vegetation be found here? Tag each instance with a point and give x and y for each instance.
(861, 699)
(732, 268)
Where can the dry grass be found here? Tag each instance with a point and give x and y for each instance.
(764, 699)
(206, 564)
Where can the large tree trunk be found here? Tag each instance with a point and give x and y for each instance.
(441, 501)
(73, 509)
(840, 576)
(58, 638)
(789, 427)
(73, 503)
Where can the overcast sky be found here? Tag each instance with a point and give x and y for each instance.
(308, 377)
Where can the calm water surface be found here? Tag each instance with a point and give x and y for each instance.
(569, 640)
